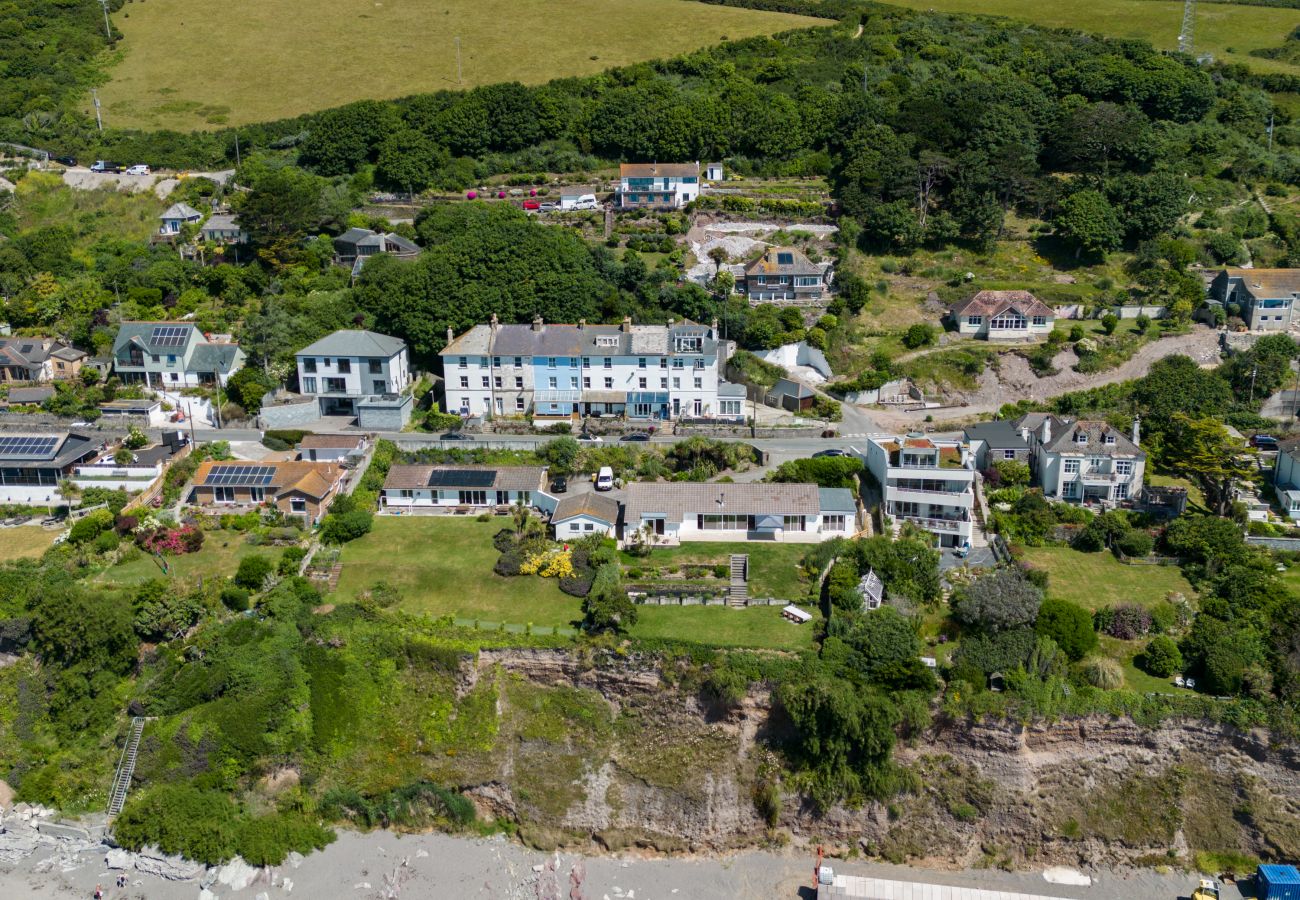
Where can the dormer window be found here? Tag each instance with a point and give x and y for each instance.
(1110, 439)
(1081, 437)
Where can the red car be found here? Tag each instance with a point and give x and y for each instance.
(532, 205)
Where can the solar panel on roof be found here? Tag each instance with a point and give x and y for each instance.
(470, 478)
(169, 335)
(28, 445)
(785, 259)
(240, 476)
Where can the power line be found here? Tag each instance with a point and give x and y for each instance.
(1185, 36)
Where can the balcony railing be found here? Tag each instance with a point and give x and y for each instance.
(936, 524)
(1099, 476)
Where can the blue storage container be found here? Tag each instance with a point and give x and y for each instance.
(1278, 883)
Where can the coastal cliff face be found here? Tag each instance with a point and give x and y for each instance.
(629, 760)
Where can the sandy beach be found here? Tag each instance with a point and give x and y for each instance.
(387, 866)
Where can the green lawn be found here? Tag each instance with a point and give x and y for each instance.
(722, 626)
(220, 556)
(25, 541)
(773, 568)
(1094, 580)
(1194, 496)
(333, 52)
(1219, 26)
(443, 566)
(1124, 652)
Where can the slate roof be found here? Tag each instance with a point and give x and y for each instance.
(677, 500)
(770, 263)
(315, 479)
(506, 478)
(1268, 283)
(588, 503)
(1063, 440)
(30, 394)
(577, 340)
(213, 358)
(181, 211)
(659, 170)
(999, 435)
(364, 237)
(221, 222)
(784, 387)
(351, 342)
(32, 351)
(990, 303)
(143, 332)
(837, 500)
(68, 354)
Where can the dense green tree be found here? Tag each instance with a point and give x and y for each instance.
(1087, 221)
(1000, 600)
(341, 140)
(1069, 625)
(1162, 657)
(1203, 451)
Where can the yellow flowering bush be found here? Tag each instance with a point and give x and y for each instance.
(551, 564)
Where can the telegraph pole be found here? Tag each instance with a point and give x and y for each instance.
(99, 120)
(236, 149)
(1270, 132)
(108, 29)
(459, 80)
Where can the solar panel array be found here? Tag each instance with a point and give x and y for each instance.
(468, 478)
(785, 259)
(240, 476)
(27, 445)
(169, 336)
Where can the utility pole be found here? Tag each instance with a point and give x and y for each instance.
(1186, 42)
(459, 80)
(1270, 132)
(108, 29)
(1253, 373)
(236, 149)
(99, 120)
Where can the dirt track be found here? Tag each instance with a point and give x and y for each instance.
(1014, 380)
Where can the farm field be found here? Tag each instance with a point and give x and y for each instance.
(1094, 580)
(339, 51)
(25, 541)
(1227, 31)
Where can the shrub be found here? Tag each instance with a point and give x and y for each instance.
(1012, 472)
(918, 335)
(107, 541)
(1162, 657)
(1109, 323)
(88, 527)
(509, 563)
(999, 601)
(1069, 625)
(1126, 621)
(504, 539)
(290, 560)
(1136, 543)
(339, 528)
(253, 572)
(1104, 673)
(234, 598)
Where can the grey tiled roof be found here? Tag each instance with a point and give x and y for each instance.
(837, 500)
(213, 358)
(676, 500)
(575, 340)
(351, 342)
(507, 478)
(598, 506)
(999, 435)
(1064, 441)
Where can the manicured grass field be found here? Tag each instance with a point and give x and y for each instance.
(773, 568)
(201, 63)
(219, 557)
(1094, 580)
(1219, 26)
(721, 626)
(25, 541)
(442, 565)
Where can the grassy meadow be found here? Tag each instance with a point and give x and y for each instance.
(25, 541)
(201, 63)
(1227, 31)
(1094, 580)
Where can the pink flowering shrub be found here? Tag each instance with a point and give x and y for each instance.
(172, 541)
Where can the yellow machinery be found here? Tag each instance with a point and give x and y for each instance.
(1207, 890)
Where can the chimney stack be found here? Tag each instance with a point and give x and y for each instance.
(1137, 429)
(495, 323)
(671, 321)
(451, 335)
(538, 324)
(627, 323)
(1047, 430)
(1024, 433)
(715, 328)
(582, 323)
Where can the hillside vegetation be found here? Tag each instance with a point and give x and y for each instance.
(346, 50)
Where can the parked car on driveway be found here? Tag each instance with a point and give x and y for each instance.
(834, 451)
(559, 484)
(1263, 442)
(66, 160)
(532, 205)
(138, 169)
(605, 479)
(454, 436)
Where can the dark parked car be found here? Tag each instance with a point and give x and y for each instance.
(66, 160)
(454, 436)
(1263, 442)
(559, 484)
(834, 451)
(634, 436)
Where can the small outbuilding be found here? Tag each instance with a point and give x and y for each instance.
(582, 515)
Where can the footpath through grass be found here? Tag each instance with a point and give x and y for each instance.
(442, 565)
(271, 59)
(1094, 580)
(1219, 26)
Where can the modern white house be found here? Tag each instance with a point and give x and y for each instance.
(928, 482)
(658, 185)
(584, 514)
(344, 368)
(673, 512)
(332, 447)
(565, 372)
(33, 464)
(1081, 461)
(1266, 297)
(459, 488)
(171, 355)
(1003, 316)
(1286, 478)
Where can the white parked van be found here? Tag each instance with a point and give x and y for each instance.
(605, 479)
(139, 169)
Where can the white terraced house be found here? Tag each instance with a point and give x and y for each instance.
(786, 513)
(1083, 461)
(565, 372)
(928, 482)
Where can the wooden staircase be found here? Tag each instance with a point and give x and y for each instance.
(125, 767)
(738, 589)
